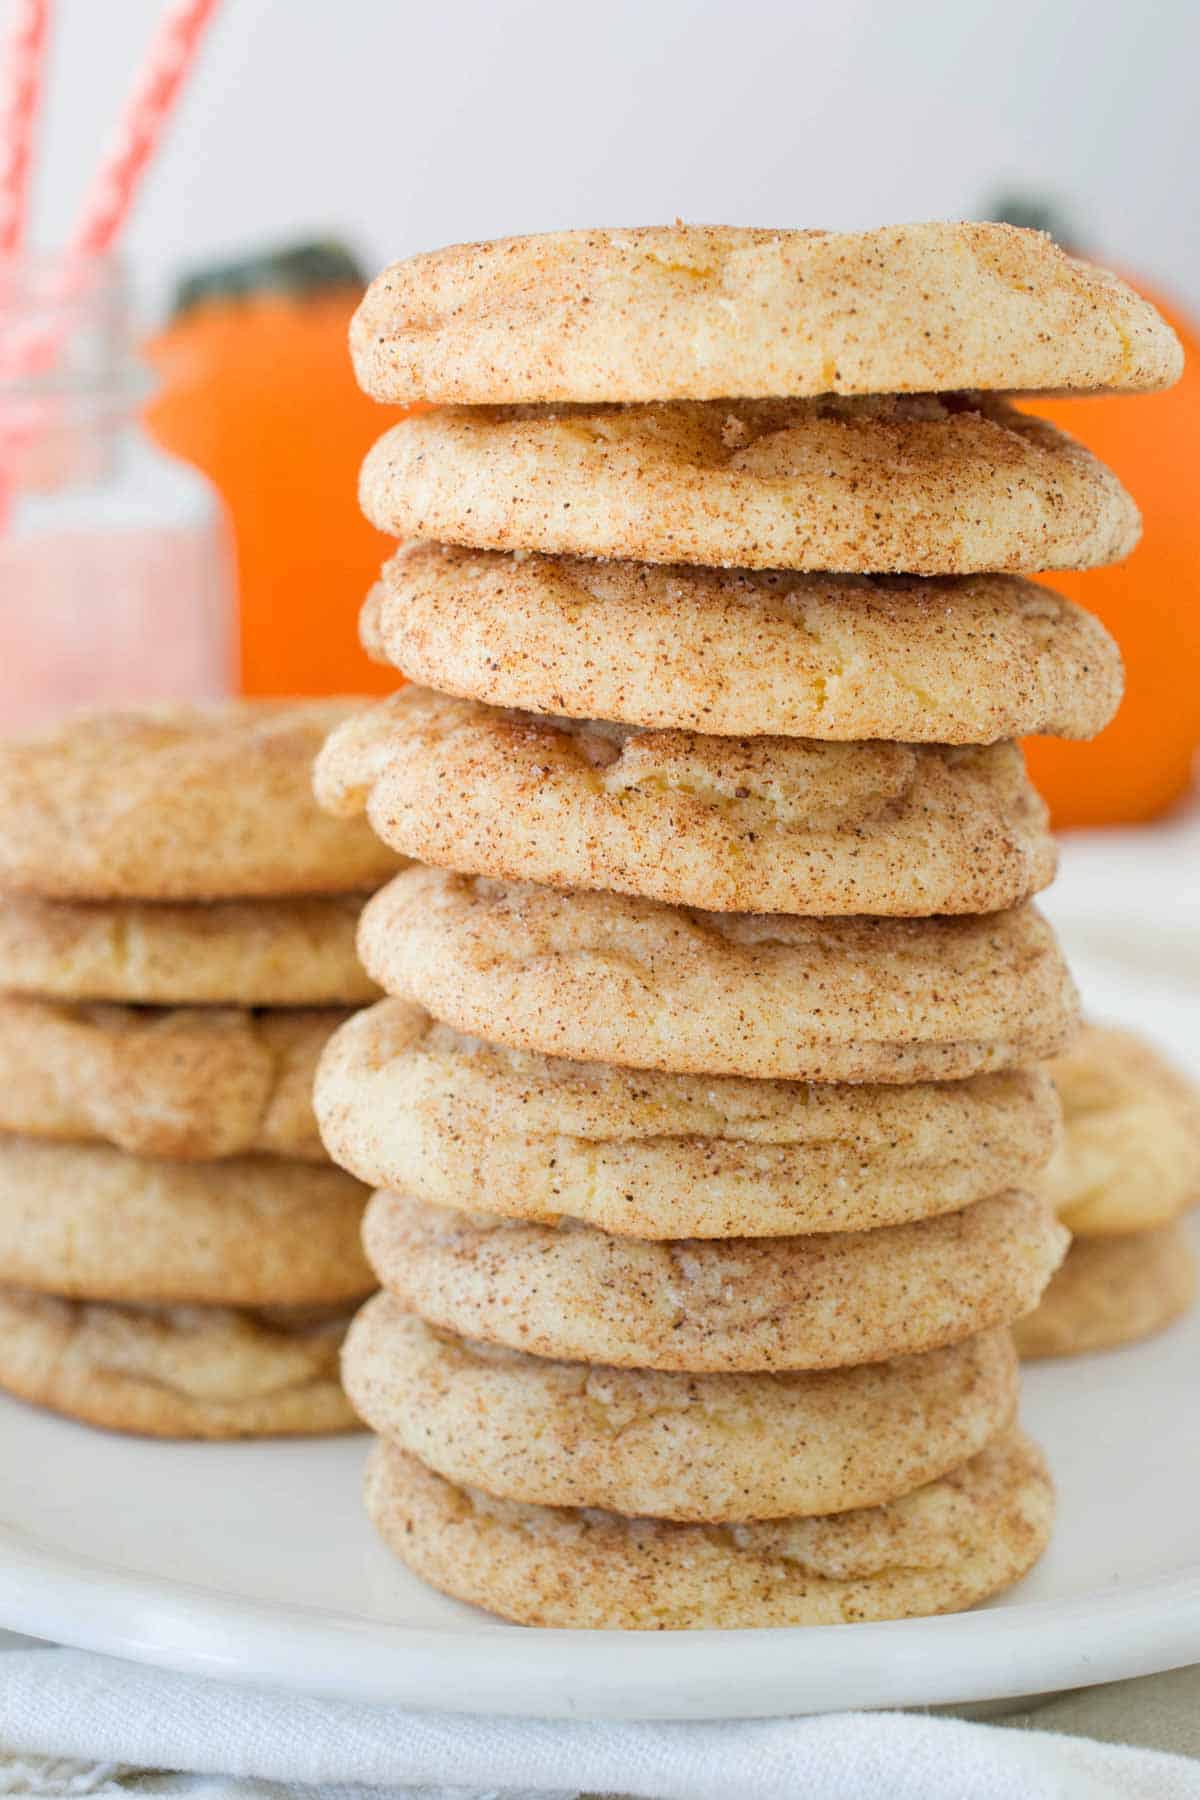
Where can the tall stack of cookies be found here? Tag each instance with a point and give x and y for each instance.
(705, 1110)
(177, 1255)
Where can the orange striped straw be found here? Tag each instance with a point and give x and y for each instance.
(155, 91)
(110, 197)
(21, 76)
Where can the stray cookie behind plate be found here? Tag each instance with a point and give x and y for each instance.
(1112, 1291)
(179, 802)
(674, 1446)
(608, 978)
(191, 1082)
(737, 652)
(717, 1305)
(701, 311)
(920, 485)
(409, 1104)
(92, 1223)
(189, 1372)
(754, 824)
(939, 1549)
(1129, 1158)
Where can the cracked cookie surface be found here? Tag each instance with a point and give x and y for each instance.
(193, 1372)
(606, 977)
(921, 485)
(675, 1446)
(407, 1103)
(179, 802)
(968, 659)
(190, 1082)
(289, 952)
(699, 311)
(939, 1549)
(753, 824)
(90, 1222)
(717, 1305)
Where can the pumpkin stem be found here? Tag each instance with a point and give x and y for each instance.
(1034, 212)
(293, 272)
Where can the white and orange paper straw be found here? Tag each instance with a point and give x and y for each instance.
(170, 57)
(20, 92)
(109, 199)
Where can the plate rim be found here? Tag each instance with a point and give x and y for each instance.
(1106, 1634)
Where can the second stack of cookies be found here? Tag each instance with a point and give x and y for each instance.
(705, 1111)
(177, 923)
(1123, 1179)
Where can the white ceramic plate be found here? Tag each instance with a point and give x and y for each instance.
(256, 1563)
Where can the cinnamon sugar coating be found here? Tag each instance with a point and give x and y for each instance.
(920, 485)
(701, 311)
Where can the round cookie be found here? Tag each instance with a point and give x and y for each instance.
(755, 824)
(609, 978)
(1112, 1291)
(668, 312)
(919, 485)
(939, 1549)
(290, 952)
(89, 1222)
(963, 660)
(702, 1447)
(179, 802)
(716, 1305)
(192, 1082)
(186, 1372)
(410, 1104)
(1129, 1158)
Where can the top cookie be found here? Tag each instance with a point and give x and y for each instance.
(702, 312)
(178, 802)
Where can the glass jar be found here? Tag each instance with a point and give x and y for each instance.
(116, 579)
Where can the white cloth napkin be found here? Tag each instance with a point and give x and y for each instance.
(95, 1718)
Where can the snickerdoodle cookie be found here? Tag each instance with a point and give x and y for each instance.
(700, 1304)
(179, 802)
(965, 660)
(290, 952)
(407, 1103)
(198, 1372)
(90, 1222)
(674, 1446)
(1129, 1158)
(941, 1548)
(190, 1082)
(1111, 1291)
(919, 485)
(609, 978)
(750, 824)
(700, 311)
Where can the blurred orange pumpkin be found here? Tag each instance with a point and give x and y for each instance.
(257, 391)
(1145, 760)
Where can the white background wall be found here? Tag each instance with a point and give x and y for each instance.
(407, 123)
